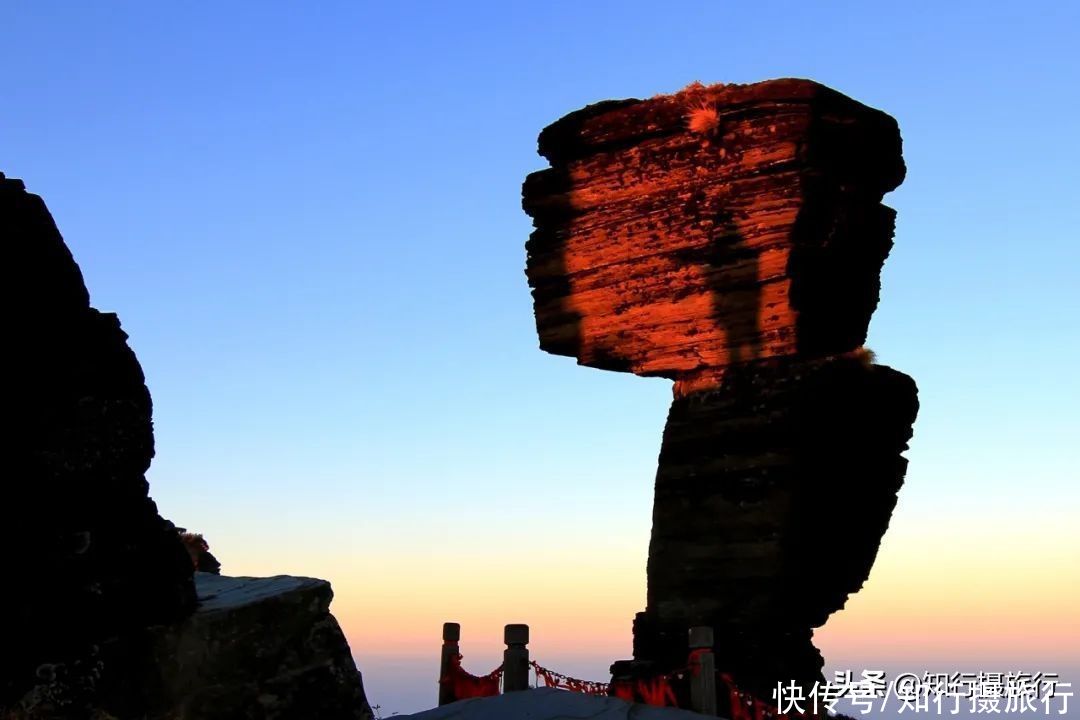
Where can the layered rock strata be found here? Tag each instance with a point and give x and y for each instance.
(731, 238)
(772, 494)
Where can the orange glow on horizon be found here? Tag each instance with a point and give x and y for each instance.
(962, 594)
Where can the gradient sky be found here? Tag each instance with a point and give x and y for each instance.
(308, 219)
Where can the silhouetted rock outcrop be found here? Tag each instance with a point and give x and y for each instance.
(94, 558)
(98, 616)
(255, 648)
(731, 238)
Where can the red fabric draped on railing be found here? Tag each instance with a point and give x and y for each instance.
(651, 691)
(466, 685)
(623, 689)
(565, 682)
(694, 661)
(655, 691)
(658, 690)
(744, 706)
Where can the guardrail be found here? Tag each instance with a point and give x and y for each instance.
(699, 675)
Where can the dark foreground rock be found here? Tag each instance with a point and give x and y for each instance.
(94, 559)
(255, 648)
(98, 611)
(791, 469)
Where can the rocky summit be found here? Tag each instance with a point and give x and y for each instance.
(95, 558)
(731, 238)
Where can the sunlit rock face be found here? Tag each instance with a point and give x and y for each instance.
(667, 251)
(731, 238)
(89, 555)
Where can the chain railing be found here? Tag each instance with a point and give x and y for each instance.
(696, 686)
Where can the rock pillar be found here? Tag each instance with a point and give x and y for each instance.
(731, 238)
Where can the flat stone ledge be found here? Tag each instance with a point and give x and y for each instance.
(221, 592)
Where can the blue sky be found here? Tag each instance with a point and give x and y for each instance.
(308, 219)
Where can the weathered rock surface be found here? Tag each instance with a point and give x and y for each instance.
(255, 648)
(731, 238)
(94, 559)
(666, 251)
(772, 494)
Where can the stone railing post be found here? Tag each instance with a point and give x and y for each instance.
(703, 671)
(516, 658)
(451, 634)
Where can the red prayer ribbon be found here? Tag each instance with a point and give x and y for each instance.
(466, 685)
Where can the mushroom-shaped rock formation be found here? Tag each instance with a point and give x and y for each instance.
(731, 238)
